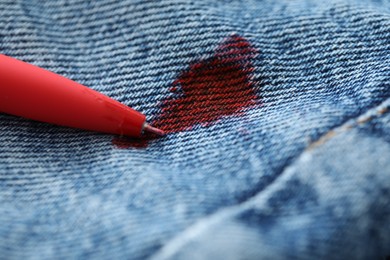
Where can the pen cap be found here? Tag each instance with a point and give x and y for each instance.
(35, 93)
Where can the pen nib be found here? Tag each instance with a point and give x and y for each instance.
(151, 129)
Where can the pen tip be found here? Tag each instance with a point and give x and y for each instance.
(149, 128)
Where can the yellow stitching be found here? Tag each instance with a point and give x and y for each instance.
(344, 128)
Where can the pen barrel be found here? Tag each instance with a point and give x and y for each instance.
(35, 93)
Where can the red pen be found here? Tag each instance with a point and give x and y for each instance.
(35, 93)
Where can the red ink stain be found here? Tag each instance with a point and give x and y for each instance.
(209, 90)
(123, 142)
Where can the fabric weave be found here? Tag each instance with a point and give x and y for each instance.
(300, 171)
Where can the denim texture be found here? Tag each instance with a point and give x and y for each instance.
(303, 174)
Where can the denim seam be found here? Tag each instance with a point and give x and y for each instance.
(349, 124)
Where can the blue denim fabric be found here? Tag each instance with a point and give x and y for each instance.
(305, 175)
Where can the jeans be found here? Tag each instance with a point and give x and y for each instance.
(277, 120)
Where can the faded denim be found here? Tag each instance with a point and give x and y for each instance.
(304, 175)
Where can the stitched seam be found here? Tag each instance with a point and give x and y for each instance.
(348, 124)
(362, 119)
